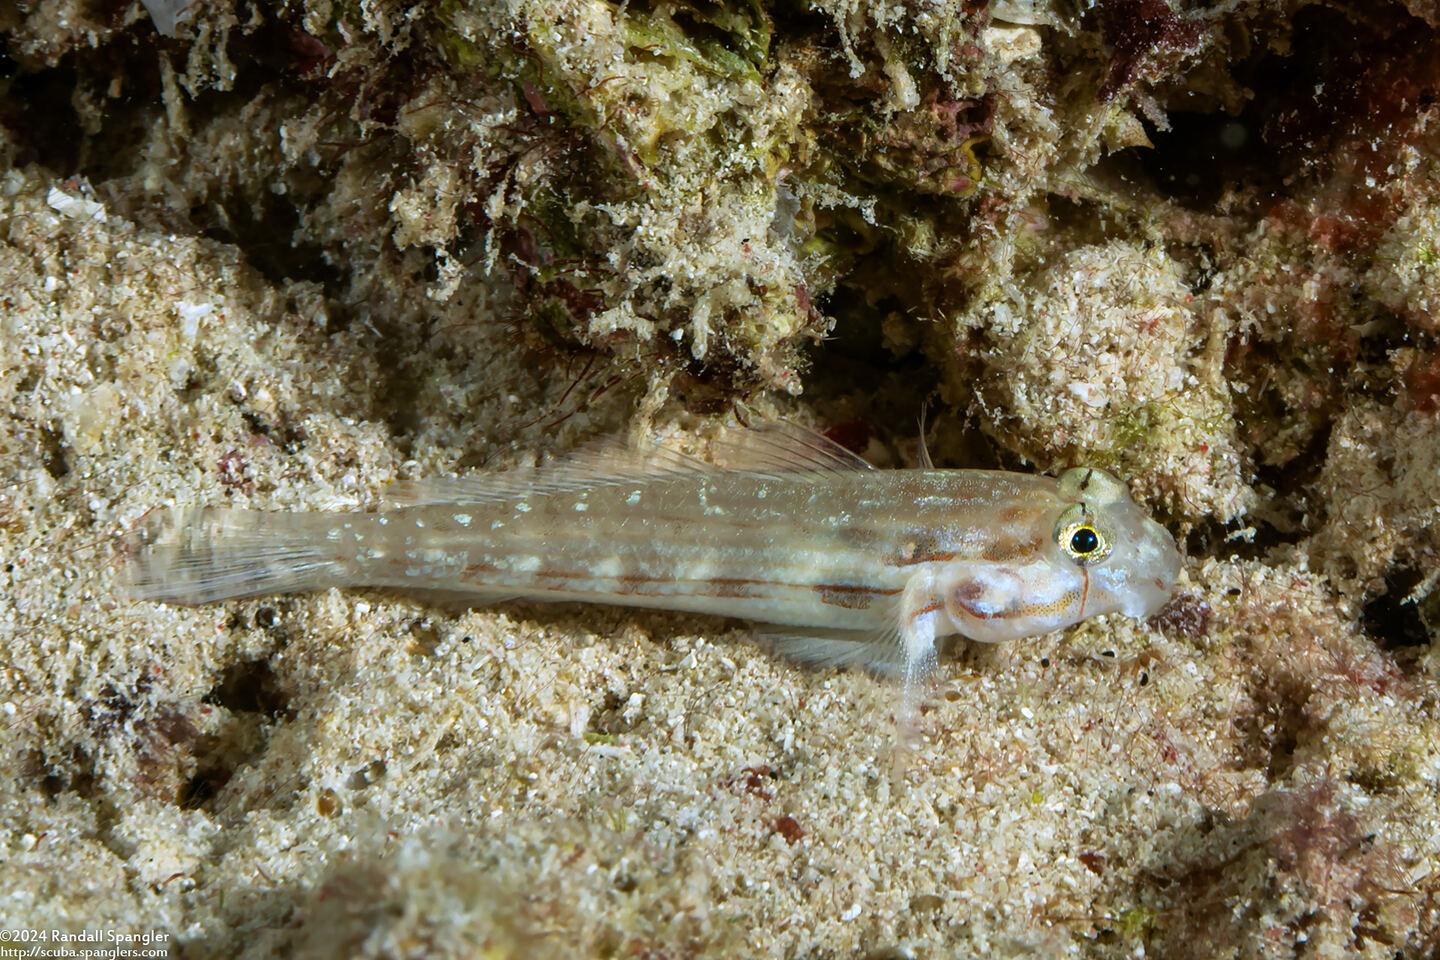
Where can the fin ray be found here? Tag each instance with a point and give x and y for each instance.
(783, 447)
(602, 464)
(770, 448)
(201, 555)
(878, 652)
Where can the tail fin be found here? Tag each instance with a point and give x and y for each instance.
(201, 555)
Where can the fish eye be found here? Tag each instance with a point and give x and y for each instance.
(1079, 536)
(1084, 541)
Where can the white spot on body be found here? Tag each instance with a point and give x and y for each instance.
(463, 519)
(525, 564)
(612, 567)
(696, 571)
(634, 497)
(581, 507)
(522, 507)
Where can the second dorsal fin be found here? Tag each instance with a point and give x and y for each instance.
(593, 465)
(774, 448)
(781, 447)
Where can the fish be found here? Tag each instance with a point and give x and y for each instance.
(837, 562)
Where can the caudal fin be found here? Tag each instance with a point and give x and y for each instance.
(201, 555)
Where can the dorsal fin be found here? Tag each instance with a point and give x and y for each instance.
(922, 454)
(602, 463)
(781, 447)
(774, 448)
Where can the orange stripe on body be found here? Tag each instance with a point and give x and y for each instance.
(980, 615)
(928, 608)
(910, 561)
(839, 594)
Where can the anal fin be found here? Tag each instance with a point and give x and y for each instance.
(878, 652)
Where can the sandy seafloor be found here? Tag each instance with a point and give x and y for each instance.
(1255, 772)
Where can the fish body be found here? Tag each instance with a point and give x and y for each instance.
(845, 563)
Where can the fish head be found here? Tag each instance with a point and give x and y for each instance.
(1130, 563)
(1060, 551)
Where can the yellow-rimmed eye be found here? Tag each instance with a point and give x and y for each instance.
(1081, 537)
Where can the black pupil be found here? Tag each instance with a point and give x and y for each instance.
(1084, 540)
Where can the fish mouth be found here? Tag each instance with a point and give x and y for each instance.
(1156, 586)
(1146, 580)
(1171, 558)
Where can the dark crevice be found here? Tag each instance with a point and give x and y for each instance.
(1199, 155)
(870, 387)
(251, 687)
(52, 453)
(210, 778)
(1343, 76)
(253, 695)
(1350, 73)
(1203, 155)
(1219, 540)
(39, 120)
(1283, 519)
(1389, 620)
(75, 773)
(264, 232)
